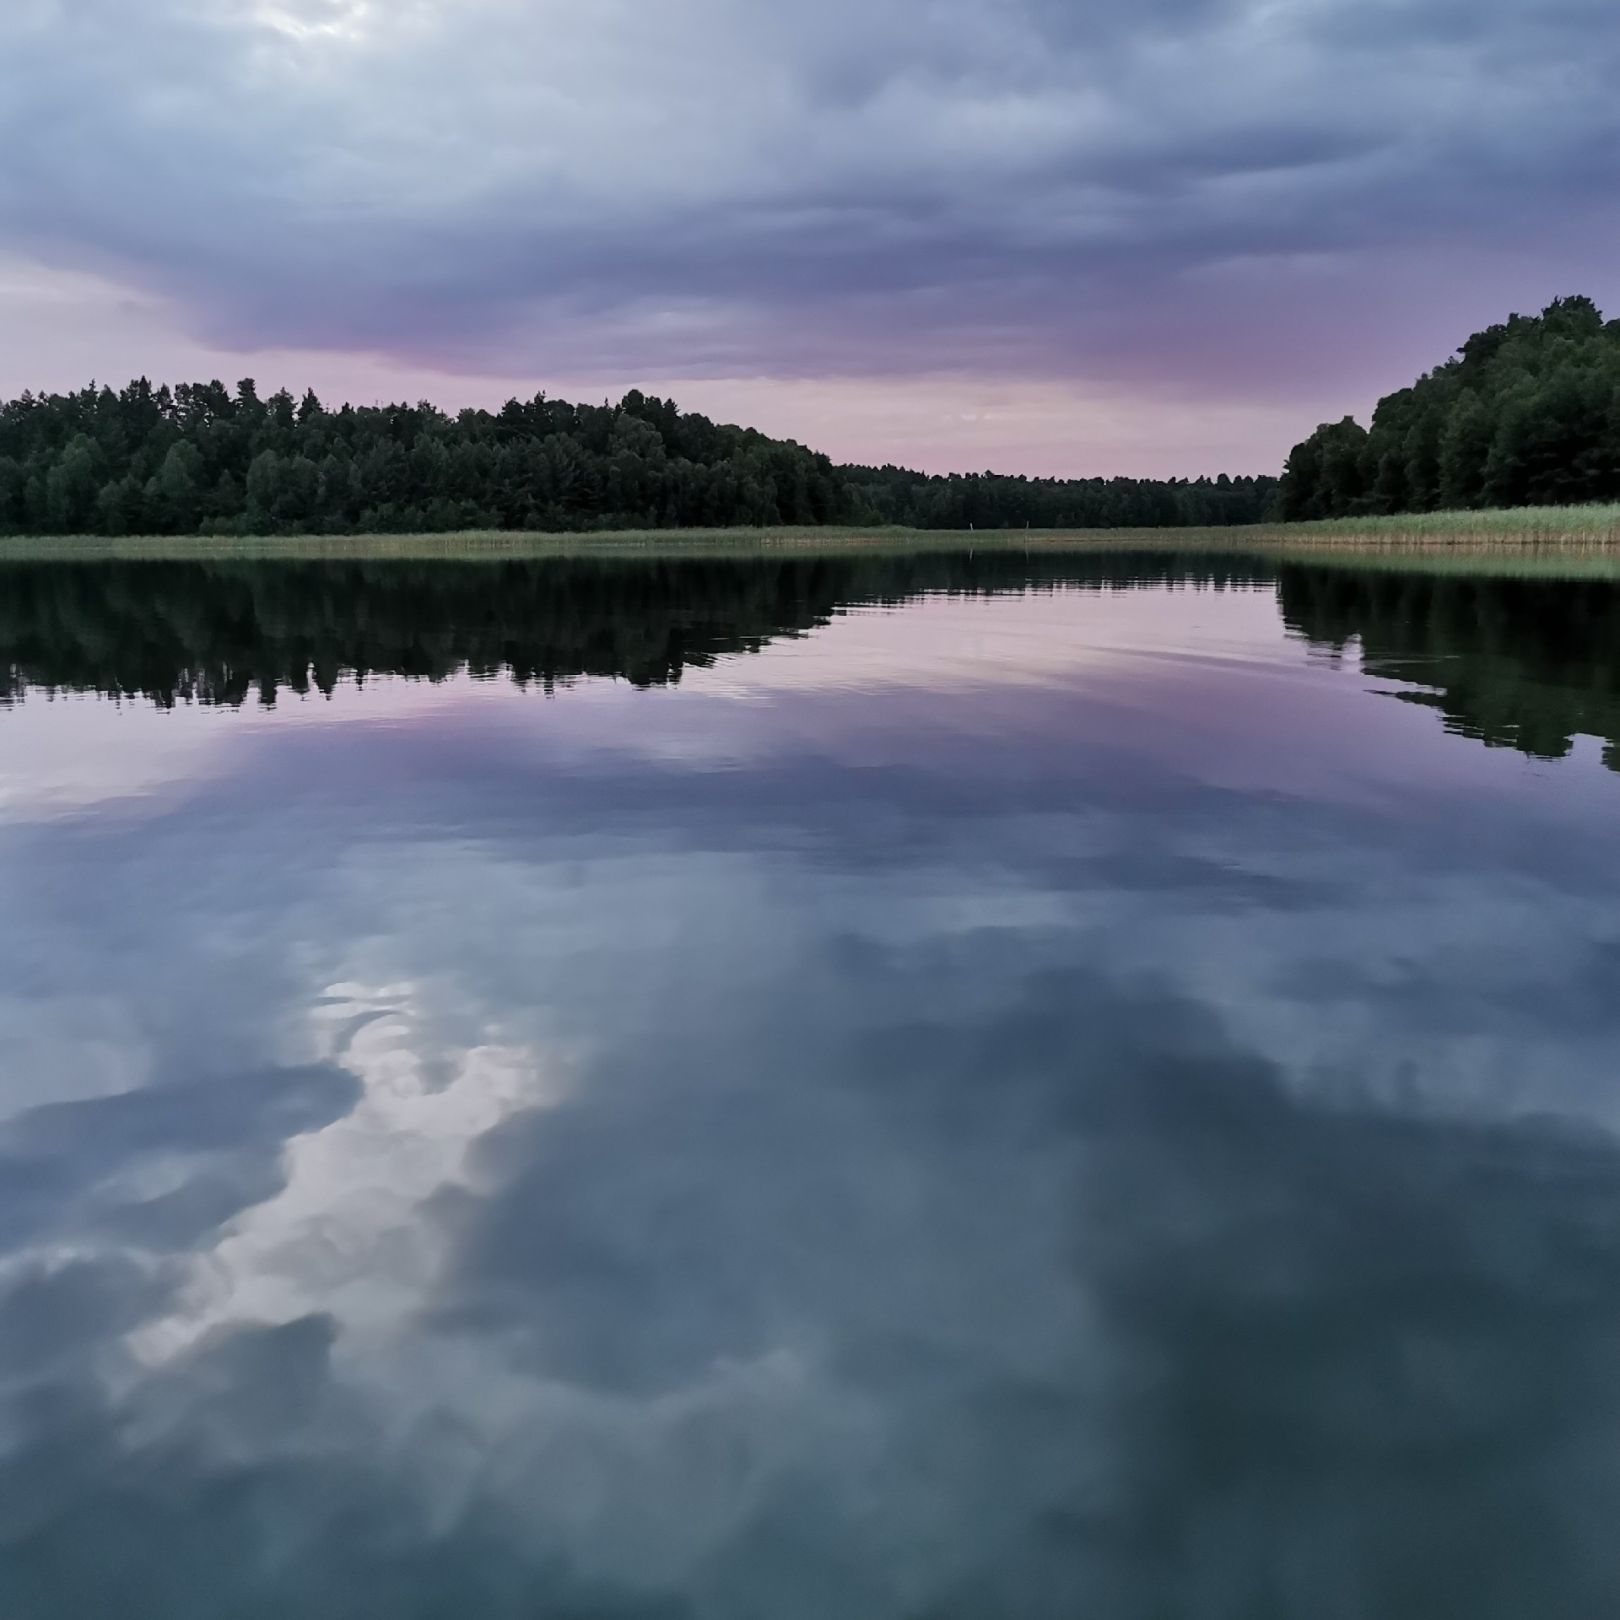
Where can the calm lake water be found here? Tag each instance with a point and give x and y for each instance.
(907, 1088)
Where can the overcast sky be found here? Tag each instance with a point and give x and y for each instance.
(1058, 236)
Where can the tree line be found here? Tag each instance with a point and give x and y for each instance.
(201, 458)
(1526, 413)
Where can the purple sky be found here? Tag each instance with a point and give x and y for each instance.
(1056, 236)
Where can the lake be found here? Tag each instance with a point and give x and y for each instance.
(899, 1086)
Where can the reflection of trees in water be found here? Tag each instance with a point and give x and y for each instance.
(217, 632)
(1516, 663)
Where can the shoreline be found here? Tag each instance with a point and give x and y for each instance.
(1550, 532)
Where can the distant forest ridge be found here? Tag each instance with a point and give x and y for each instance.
(201, 457)
(1527, 413)
(204, 458)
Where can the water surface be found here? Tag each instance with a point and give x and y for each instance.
(865, 1086)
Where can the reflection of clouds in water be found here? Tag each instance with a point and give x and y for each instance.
(348, 1232)
(72, 752)
(940, 643)
(1068, 1304)
(110, 1050)
(953, 1192)
(1381, 964)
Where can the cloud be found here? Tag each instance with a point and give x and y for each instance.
(711, 187)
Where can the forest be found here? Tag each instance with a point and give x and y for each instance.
(1526, 413)
(201, 458)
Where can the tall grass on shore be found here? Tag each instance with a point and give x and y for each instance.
(1560, 529)
(1519, 525)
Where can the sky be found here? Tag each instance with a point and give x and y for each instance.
(1060, 237)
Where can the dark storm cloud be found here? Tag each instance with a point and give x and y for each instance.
(856, 187)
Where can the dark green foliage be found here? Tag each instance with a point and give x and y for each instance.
(1525, 414)
(993, 501)
(199, 458)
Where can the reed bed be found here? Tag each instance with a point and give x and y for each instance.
(1566, 530)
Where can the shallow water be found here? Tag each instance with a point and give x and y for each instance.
(893, 1087)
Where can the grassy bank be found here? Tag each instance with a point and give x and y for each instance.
(1523, 525)
(1559, 530)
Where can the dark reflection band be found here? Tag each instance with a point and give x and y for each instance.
(1523, 663)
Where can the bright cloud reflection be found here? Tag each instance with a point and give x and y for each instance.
(344, 1235)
